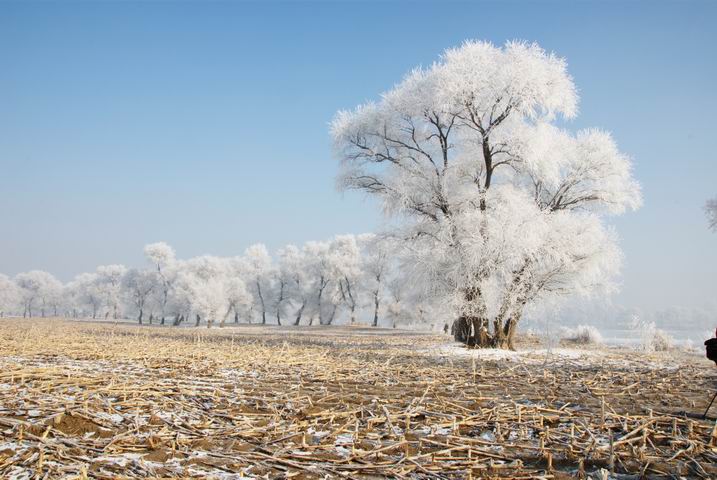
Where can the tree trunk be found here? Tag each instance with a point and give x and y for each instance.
(140, 316)
(299, 313)
(236, 317)
(198, 320)
(263, 307)
(376, 302)
(333, 314)
(474, 332)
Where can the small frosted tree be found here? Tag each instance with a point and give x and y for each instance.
(319, 273)
(239, 298)
(345, 257)
(293, 264)
(109, 278)
(498, 207)
(162, 257)
(87, 294)
(259, 268)
(138, 285)
(201, 286)
(38, 290)
(376, 262)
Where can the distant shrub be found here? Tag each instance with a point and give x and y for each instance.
(582, 335)
(652, 339)
(662, 341)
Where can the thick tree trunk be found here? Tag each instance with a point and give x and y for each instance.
(139, 319)
(236, 317)
(474, 332)
(199, 319)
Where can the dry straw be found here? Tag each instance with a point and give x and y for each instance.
(82, 400)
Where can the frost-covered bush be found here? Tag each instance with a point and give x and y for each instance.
(652, 339)
(662, 341)
(582, 335)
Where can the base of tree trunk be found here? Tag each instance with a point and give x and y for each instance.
(474, 333)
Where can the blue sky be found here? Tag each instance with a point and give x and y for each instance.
(205, 124)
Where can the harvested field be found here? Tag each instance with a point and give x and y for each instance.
(82, 400)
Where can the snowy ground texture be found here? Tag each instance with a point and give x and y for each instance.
(81, 400)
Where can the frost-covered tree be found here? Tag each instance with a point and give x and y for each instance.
(87, 294)
(138, 285)
(711, 212)
(345, 257)
(293, 263)
(320, 273)
(109, 278)
(9, 295)
(162, 256)
(281, 280)
(499, 207)
(376, 262)
(239, 298)
(258, 262)
(38, 289)
(201, 286)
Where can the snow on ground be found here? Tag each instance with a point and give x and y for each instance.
(526, 355)
(586, 356)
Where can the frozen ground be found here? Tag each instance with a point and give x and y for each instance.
(103, 401)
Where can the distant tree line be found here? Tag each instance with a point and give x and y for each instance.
(349, 279)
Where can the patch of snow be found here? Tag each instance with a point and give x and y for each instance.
(511, 355)
(115, 418)
(344, 439)
(19, 473)
(488, 436)
(343, 451)
(300, 452)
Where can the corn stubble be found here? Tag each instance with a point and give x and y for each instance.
(81, 400)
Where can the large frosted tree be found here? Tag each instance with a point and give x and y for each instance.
(499, 206)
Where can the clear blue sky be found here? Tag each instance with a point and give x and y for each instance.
(204, 124)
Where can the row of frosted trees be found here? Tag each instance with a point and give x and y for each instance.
(348, 278)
